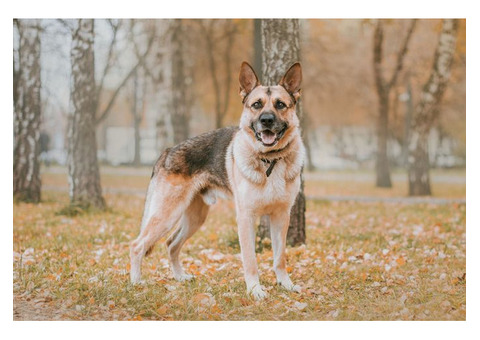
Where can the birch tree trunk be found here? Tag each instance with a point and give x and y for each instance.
(281, 49)
(83, 172)
(427, 110)
(27, 114)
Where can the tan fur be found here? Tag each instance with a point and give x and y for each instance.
(182, 191)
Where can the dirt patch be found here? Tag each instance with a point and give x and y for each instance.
(34, 310)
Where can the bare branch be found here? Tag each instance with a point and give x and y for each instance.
(140, 61)
(378, 55)
(230, 33)
(113, 42)
(401, 54)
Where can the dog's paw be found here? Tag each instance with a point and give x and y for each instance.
(291, 287)
(135, 277)
(139, 282)
(183, 277)
(295, 288)
(258, 293)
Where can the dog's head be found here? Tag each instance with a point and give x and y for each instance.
(269, 111)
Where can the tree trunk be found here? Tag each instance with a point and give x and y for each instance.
(427, 110)
(179, 102)
(281, 48)
(296, 234)
(418, 170)
(221, 89)
(257, 48)
(382, 166)
(137, 104)
(27, 114)
(383, 86)
(408, 120)
(83, 171)
(307, 133)
(137, 160)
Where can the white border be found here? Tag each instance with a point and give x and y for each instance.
(245, 9)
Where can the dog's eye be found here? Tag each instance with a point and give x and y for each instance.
(280, 105)
(257, 105)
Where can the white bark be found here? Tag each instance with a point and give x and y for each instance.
(27, 114)
(428, 109)
(83, 172)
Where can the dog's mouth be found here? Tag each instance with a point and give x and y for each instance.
(268, 137)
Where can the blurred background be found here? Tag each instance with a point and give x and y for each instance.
(162, 81)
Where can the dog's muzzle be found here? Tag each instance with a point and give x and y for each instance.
(268, 129)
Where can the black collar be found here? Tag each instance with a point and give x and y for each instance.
(274, 161)
(272, 164)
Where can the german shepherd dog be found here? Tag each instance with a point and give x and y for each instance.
(258, 163)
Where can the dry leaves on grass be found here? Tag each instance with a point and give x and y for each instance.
(361, 262)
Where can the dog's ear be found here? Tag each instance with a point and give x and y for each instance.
(292, 80)
(248, 79)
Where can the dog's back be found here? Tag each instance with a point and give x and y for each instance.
(204, 154)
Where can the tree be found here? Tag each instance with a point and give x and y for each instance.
(281, 49)
(427, 110)
(83, 171)
(383, 91)
(100, 115)
(221, 89)
(27, 113)
(180, 95)
(257, 47)
(141, 74)
(138, 103)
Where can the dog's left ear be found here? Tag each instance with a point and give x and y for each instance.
(292, 80)
(248, 79)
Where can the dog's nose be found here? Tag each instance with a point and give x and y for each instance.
(267, 119)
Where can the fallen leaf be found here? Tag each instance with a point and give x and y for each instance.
(300, 305)
(162, 310)
(400, 261)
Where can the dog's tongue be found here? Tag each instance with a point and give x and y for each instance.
(268, 137)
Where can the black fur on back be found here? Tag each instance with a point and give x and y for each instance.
(201, 154)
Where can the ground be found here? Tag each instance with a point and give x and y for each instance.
(364, 259)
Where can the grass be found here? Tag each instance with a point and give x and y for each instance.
(363, 261)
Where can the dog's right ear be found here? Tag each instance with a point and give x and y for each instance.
(248, 79)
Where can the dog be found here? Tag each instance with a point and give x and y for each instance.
(258, 163)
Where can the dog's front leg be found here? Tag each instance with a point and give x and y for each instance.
(278, 230)
(246, 234)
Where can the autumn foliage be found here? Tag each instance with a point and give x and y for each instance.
(363, 261)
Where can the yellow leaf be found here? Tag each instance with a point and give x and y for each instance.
(162, 310)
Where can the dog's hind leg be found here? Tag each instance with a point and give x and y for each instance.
(161, 214)
(278, 230)
(191, 220)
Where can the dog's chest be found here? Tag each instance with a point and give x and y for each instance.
(275, 189)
